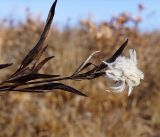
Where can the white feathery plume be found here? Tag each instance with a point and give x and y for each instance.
(125, 72)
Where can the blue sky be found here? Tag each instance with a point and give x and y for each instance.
(100, 10)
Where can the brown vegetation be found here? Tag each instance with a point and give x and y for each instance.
(101, 114)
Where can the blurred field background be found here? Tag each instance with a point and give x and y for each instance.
(101, 114)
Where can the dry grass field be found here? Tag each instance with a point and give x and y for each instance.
(62, 114)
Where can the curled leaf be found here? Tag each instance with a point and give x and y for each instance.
(86, 63)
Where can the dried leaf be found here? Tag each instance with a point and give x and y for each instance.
(32, 76)
(42, 63)
(118, 52)
(115, 55)
(85, 62)
(7, 87)
(39, 56)
(52, 86)
(2, 66)
(86, 66)
(20, 73)
(36, 51)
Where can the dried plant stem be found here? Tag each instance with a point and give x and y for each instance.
(28, 79)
